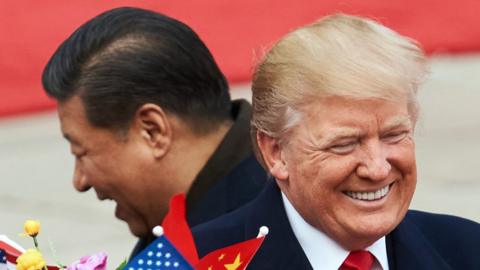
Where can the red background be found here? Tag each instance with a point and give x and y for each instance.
(235, 31)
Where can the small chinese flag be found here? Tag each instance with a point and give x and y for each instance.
(234, 257)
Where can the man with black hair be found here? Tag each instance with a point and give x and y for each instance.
(148, 114)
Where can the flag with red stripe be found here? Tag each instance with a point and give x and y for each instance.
(12, 251)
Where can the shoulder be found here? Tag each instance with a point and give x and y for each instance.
(240, 185)
(245, 181)
(244, 223)
(439, 225)
(248, 169)
(456, 239)
(221, 232)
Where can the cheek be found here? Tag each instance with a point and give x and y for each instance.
(323, 178)
(333, 171)
(403, 161)
(100, 171)
(402, 157)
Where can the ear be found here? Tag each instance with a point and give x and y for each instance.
(272, 156)
(155, 128)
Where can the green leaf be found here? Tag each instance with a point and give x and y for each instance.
(122, 265)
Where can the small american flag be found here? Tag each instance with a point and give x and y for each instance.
(3, 260)
(159, 255)
(10, 251)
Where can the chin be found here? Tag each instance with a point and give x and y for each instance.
(137, 229)
(370, 230)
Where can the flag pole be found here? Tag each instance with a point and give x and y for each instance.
(157, 231)
(263, 231)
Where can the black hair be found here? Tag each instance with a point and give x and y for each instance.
(126, 57)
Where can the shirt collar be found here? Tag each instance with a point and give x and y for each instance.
(323, 252)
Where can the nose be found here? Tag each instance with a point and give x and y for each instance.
(79, 179)
(374, 164)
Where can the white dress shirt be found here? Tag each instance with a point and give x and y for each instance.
(322, 252)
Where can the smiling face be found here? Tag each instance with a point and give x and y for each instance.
(349, 167)
(117, 168)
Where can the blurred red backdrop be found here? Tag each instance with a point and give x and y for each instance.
(235, 31)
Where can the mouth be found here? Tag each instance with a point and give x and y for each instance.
(369, 196)
(101, 196)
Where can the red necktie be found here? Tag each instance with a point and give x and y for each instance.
(358, 260)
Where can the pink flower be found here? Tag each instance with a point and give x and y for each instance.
(96, 261)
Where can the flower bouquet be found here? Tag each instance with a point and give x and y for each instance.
(173, 248)
(32, 259)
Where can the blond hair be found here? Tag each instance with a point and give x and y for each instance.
(339, 55)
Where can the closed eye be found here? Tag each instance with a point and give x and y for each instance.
(395, 137)
(343, 148)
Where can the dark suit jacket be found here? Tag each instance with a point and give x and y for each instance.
(421, 241)
(241, 185)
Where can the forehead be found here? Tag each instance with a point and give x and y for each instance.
(348, 113)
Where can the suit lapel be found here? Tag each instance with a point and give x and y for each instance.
(281, 249)
(407, 248)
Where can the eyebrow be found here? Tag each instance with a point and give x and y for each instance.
(339, 134)
(396, 122)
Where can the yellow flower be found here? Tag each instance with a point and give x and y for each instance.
(31, 227)
(30, 260)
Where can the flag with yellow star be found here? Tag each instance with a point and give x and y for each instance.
(175, 248)
(234, 257)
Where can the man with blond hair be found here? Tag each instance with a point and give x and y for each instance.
(334, 113)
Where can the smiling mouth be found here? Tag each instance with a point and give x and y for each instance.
(102, 197)
(369, 195)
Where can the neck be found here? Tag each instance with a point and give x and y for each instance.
(195, 151)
